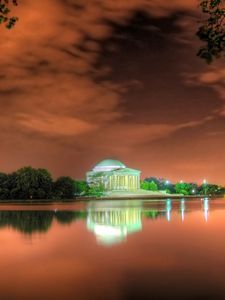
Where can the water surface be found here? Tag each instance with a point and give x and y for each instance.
(113, 250)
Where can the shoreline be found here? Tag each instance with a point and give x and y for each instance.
(86, 199)
(146, 197)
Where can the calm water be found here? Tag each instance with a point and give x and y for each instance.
(113, 250)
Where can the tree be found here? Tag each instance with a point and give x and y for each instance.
(5, 11)
(64, 188)
(4, 191)
(208, 189)
(30, 183)
(183, 188)
(152, 186)
(96, 191)
(212, 30)
(162, 184)
(80, 187)
(144, 185)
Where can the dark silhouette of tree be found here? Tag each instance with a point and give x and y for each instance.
(4, 191)
(30, 183)
(5, 12)
(64, 188)
(212, 29)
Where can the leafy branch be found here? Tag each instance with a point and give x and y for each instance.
(212, 30)
(5, 11)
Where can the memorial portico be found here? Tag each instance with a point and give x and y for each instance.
(114, 176)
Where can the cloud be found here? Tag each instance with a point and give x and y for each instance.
(52, 126)
(53, 89)
(213, 77)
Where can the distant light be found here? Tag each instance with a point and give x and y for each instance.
(193, 191)
(204, 181)
(181, 181)
(167, 182)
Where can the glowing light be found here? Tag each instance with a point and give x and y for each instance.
(108, 231)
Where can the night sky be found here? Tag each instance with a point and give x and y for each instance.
(82, 81)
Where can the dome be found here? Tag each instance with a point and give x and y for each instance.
(108, 165)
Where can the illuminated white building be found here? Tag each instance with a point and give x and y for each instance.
(113, 175)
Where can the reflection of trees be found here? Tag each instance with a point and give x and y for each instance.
(153, 214)
(67, 217)
(29, 222)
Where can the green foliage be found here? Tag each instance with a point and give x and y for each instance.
(80, 187)
(30, 183)
(212, 29)
(211, 190)
(5, 11)
(162, 184)
(26, 183)
(151, 214)
(144, 185)
(150, 186)
(96, 191)
(64, 188)
(183, 188)
(4, 191)
(153, 186)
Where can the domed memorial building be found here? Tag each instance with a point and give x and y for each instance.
(113, 175)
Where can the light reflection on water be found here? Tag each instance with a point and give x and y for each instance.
(114, 250)
(112, 225)
(110, 221)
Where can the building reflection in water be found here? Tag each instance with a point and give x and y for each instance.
(111, 222)
(112, 225)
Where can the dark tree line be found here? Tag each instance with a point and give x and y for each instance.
(29, 183)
